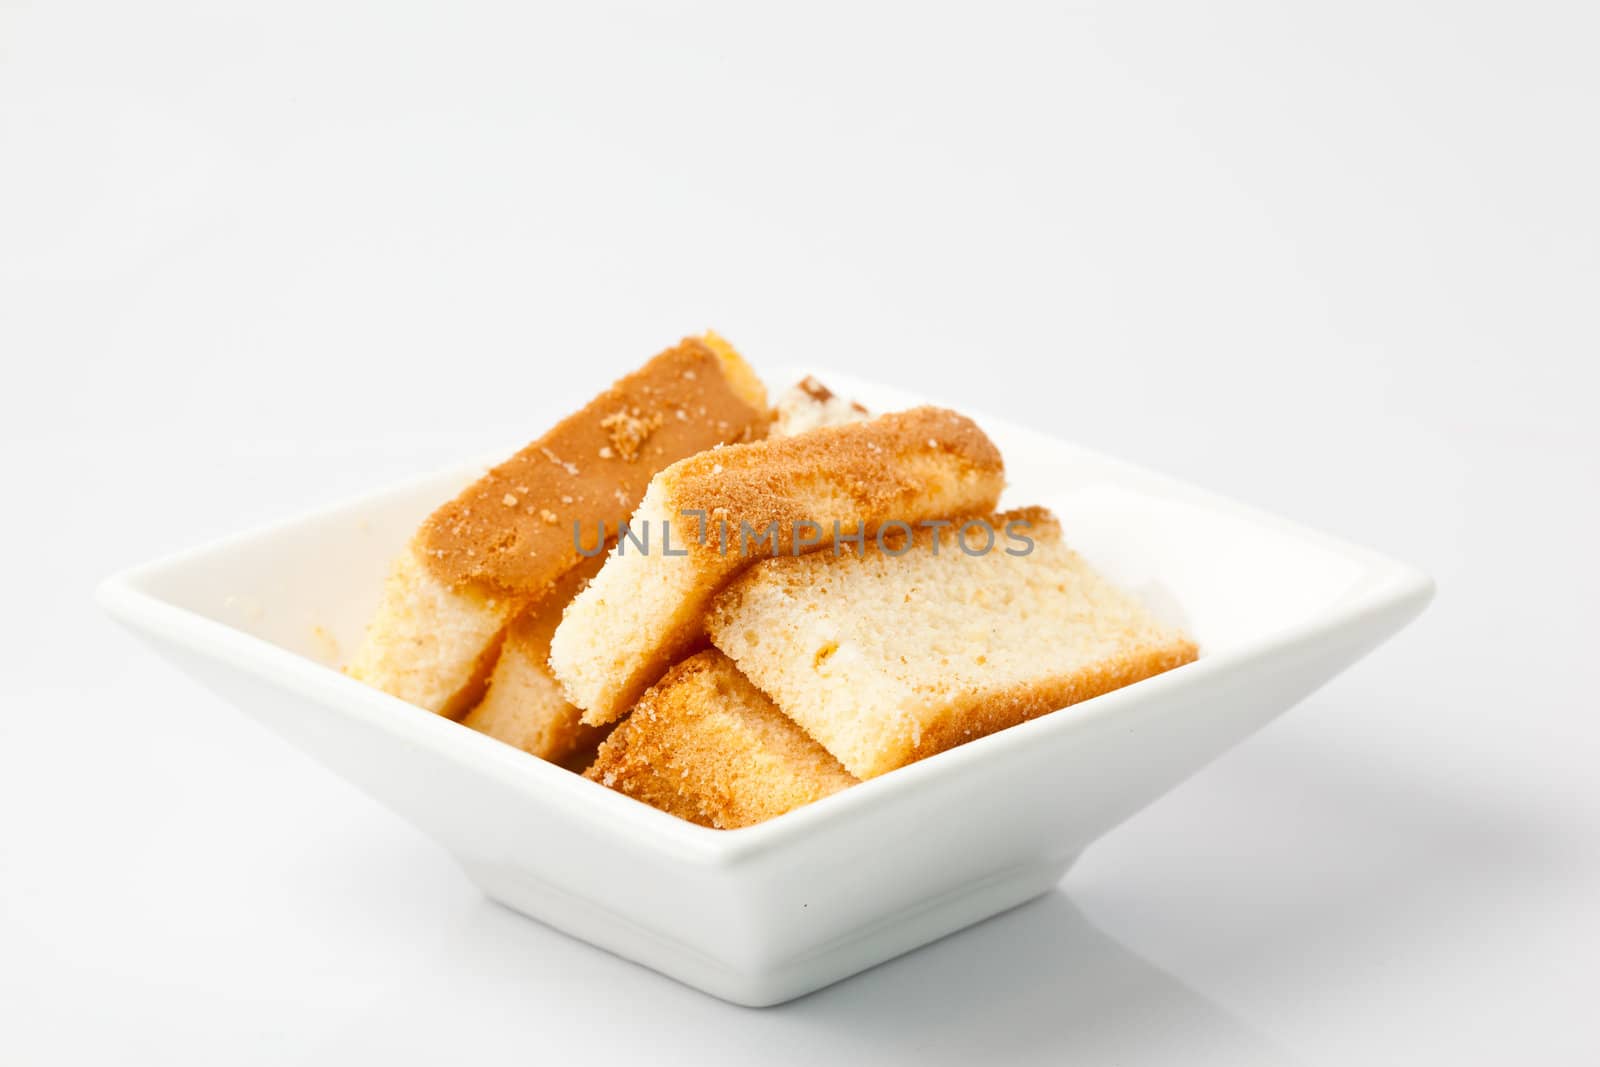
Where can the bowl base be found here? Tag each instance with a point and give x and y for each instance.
(846, 955)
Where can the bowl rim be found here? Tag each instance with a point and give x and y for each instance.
(1384, 585)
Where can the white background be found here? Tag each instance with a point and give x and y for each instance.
(1338, 260)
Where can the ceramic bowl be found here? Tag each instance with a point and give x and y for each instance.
(767, 913)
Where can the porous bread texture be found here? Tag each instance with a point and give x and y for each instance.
(809, 405)
(645, 610)
(887, 659)
(430, 645)
(705, 745)
(524, 707)
(503, 542)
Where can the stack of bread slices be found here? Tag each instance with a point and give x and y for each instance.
(727, 610)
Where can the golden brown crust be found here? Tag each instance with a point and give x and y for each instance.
(883, 468)
(511, 531)
(991, 710)
(705, 745)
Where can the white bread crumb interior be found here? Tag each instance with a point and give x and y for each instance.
(886, 660)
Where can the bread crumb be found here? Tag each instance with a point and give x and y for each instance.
(509, 500)
(606, 452)
(327, 644)
(629, 430)
(548, 516)
(570, 468)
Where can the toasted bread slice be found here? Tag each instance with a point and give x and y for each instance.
(500, 545)
(524, 707)
(705, 745)
(430, 644)
(644, 610)
(905, 652)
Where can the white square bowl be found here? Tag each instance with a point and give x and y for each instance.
(760, 915)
